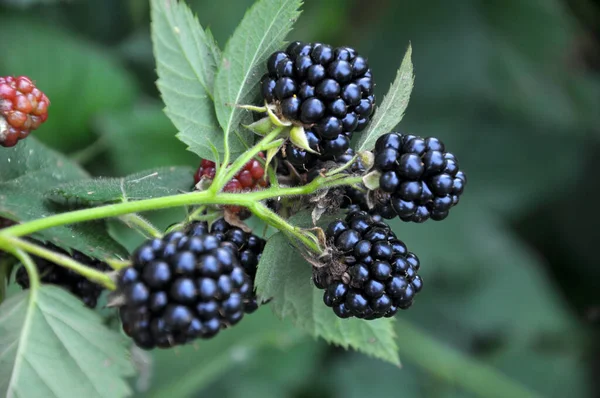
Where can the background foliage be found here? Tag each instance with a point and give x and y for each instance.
(512, 87)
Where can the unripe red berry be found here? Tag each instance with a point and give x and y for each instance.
(23, 108)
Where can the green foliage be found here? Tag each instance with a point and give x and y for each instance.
(80, 79)
(260, 33)
(394, 104)
(52, 346)
(285, 276)
(506, 89)
(150, 132)
(144, 185)
(29, 170)
(186, 62)
(196, 366)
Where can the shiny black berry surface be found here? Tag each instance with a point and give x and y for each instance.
(381, 275)
(327, 90)
(189, 285)
(55, 274)
(249, 248)
(419, 179)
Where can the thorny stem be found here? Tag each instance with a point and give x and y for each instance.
(245, 199)
(142, 225)
(32, 272)
(10, 242)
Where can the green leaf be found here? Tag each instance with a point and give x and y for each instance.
(186, 62)
(261, 32)
(197, 365)
(391, 110)
(453, 367)
(28, 170)
(52, 346)
(147, 129)
(284, 276)
(79, 78)
(144, 185)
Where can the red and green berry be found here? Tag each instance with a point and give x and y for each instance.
(23, 108)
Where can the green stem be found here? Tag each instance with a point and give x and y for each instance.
(140, 224)
(453, 367)
(60, 259)
(271, 218)
(30, 267)
(117, 264)
(225, 174)
(246, 199)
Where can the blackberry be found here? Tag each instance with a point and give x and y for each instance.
(327, 90)
(23, 108)
(371, 273)
(248, 247)
(182, 287)
(249, 178)
(419, 179)
(75, 283)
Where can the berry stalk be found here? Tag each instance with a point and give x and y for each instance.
(225, 174)
(141, 225)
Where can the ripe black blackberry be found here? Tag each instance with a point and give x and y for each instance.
(248, 247)
(327, 90)
(419, 179)
(371, 273)
(54, 274)
(182, 287)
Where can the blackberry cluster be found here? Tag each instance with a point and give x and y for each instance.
(249, 178)
(419, 180)
(75, 283)
(373, 275)
(23, 108)
(327, 90)
(248, 247)
(188, 285)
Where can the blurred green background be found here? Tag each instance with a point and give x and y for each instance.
(512, 277)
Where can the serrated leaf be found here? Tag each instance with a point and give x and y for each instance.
(391, 110)
(144, 185)
(186, 62)
(79, 78)
(28, 170)
(52, 346)
(261, 32)
(284, 276)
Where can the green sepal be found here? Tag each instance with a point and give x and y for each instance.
(371, 180)
(275, 119)
(271, 152)
(298, 138)
(262, 127)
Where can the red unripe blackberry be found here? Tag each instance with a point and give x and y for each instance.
(23, 108)
(250, 178)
